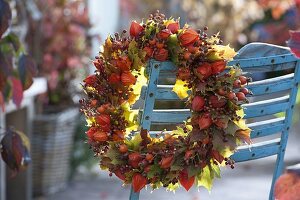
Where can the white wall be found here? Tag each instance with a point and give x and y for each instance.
(104, 15)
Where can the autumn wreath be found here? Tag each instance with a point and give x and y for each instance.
(194, 152)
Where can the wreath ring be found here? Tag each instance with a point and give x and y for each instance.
(195, 151)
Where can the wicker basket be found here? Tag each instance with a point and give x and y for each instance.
(52, 142)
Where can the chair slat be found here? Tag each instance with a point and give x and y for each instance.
(257, 109)
(257, 150)
(262, 64)
(267, 127)
(268, 86)
(272, 85)
(266, 107)
(170, 116)
(267, 64)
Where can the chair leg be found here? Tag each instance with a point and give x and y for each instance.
(277, 171)
(134, 195)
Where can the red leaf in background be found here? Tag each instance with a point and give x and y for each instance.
(2, 102)
(17, 91)
(15, 150)
(294, 42)
(185, 181)
(284, 183)
(27, 70)
(135, 29)
(5, 16)
(138, 182)
(217, 156)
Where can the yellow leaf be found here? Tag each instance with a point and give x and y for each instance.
(180, 89)
(220, 52)
(137, 87)
(240, 113)
(244, 135)
(90, 121)
(241, 124)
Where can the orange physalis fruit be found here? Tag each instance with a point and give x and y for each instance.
(114, 78)
(124, 63)
(198, 103)
(127, 78)
(166, 162)
(123, 148)
(188, 37)
(120, 175)
(173, 27)
(205, 121)
(135, 29)
(100, 136)
(161, 55)
(204, 71)
(185, 181)
(138, 182)
(218, 66)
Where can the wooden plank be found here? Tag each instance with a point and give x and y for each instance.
(284, 135)
(257, 150)
(161, 116)
(257, 109)
(267, 86)
(266, 107)
(154, 68)
(266, 64)
(263, 64)
(272, 85)
(267, 127)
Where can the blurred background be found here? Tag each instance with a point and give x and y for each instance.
(62, 37)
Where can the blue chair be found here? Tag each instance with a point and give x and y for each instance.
(254, 58)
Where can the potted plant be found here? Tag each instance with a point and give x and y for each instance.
(61, 51)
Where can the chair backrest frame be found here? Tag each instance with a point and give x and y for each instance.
(265, 59)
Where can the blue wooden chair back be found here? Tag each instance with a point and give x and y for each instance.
(254, 58)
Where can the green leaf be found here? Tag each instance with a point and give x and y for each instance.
(193, 171)
(150, 30)
(113, 154)
(216, 170)
(134, 142)
(135, 55)
(154, 171)
(6, 63)
(232, 128)
(14, 41)
(205, 179)
(5, 16)
(174, 48)
(173, 187)
(176, 168)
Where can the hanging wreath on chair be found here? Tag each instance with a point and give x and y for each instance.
(214, 92)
